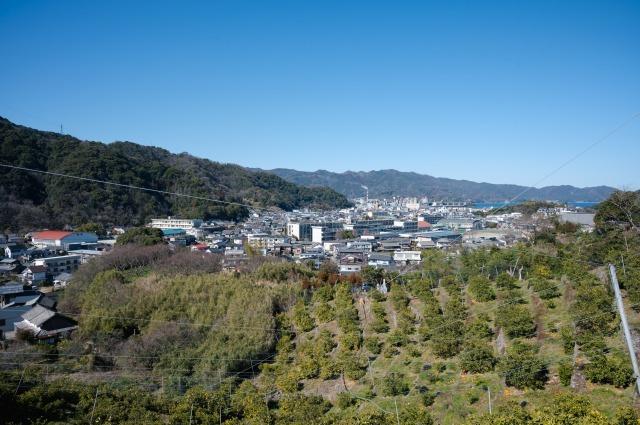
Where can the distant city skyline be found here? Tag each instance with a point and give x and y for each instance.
(494, 92)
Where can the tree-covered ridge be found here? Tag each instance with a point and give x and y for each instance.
(34, 200)
(390, 183)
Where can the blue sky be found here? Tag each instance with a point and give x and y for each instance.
(502, 92)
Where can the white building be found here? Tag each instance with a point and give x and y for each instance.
(406, 256)
(175, 223)
(325, 232)
(299, 230)
(365, 246)
(579, 218)
(63, 263)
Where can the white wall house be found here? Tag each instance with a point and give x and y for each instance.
(406, 256)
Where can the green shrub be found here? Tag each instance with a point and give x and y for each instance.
(626, 415)
(612, 369)
(345, 400)
(141, 236)
(329, 368)
(378, 310)
(477, 357)
(301, 318)
(565, 371)
(522, 368)
(545, 288)
(505, 281)
(323, 294)
(393, 384)
(568, 339)
(379, 326)
(352, 365)
(350, 341)
(446, 340)
(480, 289)
(479, 328)
(428, 398)
(324, 343)
(324, 312)
(373, 344)
(516, 321)
(390, 351)
(397, 338)
(414, 351)
(277, 271)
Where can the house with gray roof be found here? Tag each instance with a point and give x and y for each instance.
(45, 324)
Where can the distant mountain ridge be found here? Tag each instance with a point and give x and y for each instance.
(389, 183)
(30, 200)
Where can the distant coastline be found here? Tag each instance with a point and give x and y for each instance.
(574, 204)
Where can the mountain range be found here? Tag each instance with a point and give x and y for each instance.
(390, 183)
(34, 200)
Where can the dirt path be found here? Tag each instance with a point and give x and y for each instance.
(539, 311)
(501, 343)
(363, 304)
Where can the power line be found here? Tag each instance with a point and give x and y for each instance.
(573, 158)
(129, 186)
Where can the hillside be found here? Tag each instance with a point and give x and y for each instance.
(33, 200)
(389, 183)
(166, 337)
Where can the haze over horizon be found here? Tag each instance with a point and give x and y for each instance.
(498, 92)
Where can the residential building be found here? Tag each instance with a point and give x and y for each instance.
(405, 257)
(34, 275)
(325, 232)
(364, 246)
(46, 324)
(299, 230)
(579, 218)
(406, 225)
(380, 260)
(432, 218)
(15, 251)
(63, 263)
(368, 227)
(86, 254)
(350, 264)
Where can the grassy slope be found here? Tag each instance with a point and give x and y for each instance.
(462, 394)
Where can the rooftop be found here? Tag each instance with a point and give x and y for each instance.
(51, 234)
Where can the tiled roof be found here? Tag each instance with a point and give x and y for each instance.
(37, 269)
(38, 315)
(51, 234)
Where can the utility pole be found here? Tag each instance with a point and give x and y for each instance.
(95, 400)
(625, 325)
(371, 373)
(489, 394)
(395, 402)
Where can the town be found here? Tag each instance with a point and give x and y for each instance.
(375, 233)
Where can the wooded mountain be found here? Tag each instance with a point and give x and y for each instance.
(389, 183)
(35, 200)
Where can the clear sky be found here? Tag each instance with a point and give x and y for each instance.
(502, 92)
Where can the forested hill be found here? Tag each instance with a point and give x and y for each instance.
(389, 183)
(36, 200)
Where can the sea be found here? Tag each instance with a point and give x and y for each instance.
(572, 204)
